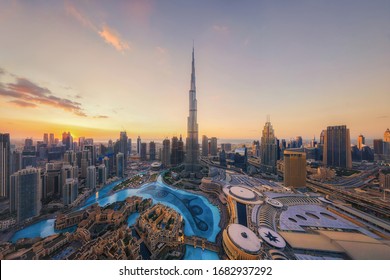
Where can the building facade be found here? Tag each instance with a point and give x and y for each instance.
(337, 147)
(268, 149)
(294, 169)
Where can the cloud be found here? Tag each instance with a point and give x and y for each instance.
(100, 117)
(382, 117)
(23, 103)
(26, 93)
(79, 16)
(112, 37)
(221, 29)
(2, 72)
(109, 35)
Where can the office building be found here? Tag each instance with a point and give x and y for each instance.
(120, 165)
(360, 141)
(227, 147)
(67, 140)
(46, 138)
(26, 191)
(166, 153)
(123, 144)
(205, 146)
(52, 184)
(16, 162)
(268, 149)
(337, 147)
(386, 136)
(152, 150)
(143, 151)
(294, 169)
(51, 139)
(180, 150)
(91, 177)
(70, 191)
(102, 175)
(192, 146)
(384, 179)
(138, 145)
(174, 151)
(5, 153)
(213, 146)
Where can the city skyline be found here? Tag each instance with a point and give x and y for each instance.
(308, 65)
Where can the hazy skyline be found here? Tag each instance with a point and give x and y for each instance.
(94, 68)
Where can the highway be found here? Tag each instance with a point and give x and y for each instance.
(377, 207)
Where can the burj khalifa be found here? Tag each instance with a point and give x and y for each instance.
(192, 147)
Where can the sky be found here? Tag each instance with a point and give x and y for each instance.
(95, 68)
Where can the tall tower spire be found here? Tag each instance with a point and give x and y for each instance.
(193, 71)
(192, 146)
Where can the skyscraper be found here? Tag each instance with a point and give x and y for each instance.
(91, 177)
(337, 147)
(361, 142)
(102, 174)
(67, 140)
(152, 150)
(120, 164)
(70, 191)
(139, 145)
(205, 146)
(174, 151)
(5, 153)
(123, 145)
(213, 146)
(294, 169)
(268, 148)
(180, 150)
(386, 136)
(45, 138)
(143, 151)
(192, 146)
(166, 153)
(26, 191)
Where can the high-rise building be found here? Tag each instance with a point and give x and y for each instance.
(378, 146)
(45, 138)
(386, 136)
(213, 146)
(52, 186)
(205, 146)
(299, 141)
(268, 148)
(384, 179)
(5, 164)
(255, 148)
(143, 151)
(70, 191)
(120, 165)
(152, 150)
(25, 195)
(180, 151)
(51, 139)
(129, 146)
(102, 175)
(109, 166)
(227, 147)
(91, 152)
(68, 172)
(123, 145)
(174, 151)
(361, 142)
(16, 162)
(70, 157)
(166, 153)
(67, 140)
(138, 145)
(337, 147)
(91, 177)
(192, 146)
(294, 169)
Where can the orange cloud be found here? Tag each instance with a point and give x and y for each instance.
(112, 37)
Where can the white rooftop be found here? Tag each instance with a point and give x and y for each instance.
(244, 238)
(243, 193)
(272, 237)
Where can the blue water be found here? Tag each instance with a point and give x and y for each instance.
(200, 216)
(199, 254)
(132, 219)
